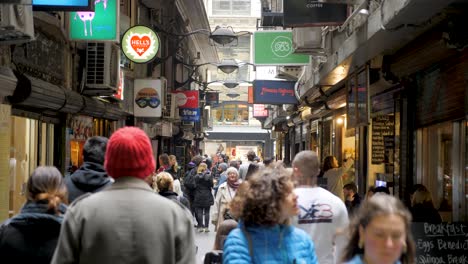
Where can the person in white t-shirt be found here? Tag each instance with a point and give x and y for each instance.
(322, 215)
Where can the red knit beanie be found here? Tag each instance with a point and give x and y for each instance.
(129, 153)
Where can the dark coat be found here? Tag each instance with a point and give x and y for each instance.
(203, 196)
(89, 178)
(31, 236)
(353, 205)
(175, 174)
(174, 197)
(425, 213)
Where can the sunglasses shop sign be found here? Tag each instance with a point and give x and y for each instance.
(148, 98)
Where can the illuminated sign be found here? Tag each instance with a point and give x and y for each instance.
(63, 5)
(100, 25)
(259, 110)
(274, 92)
(140, 44)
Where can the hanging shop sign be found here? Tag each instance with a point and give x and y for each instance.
(140, 44)
(250, 95)
(310, 13)
(147, 94)
(274, 92)
(274, 48)
(120, 89)
(259, 111)
(63, 5)
(212, 98)
(100, 25)
(186, 99)
(189, 114)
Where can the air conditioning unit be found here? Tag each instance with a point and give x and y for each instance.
(171, 109)
(288, 72)
(16, 24)
(308, 40)
(102, 69)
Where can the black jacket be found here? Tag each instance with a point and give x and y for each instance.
(31, 236)
(425, 213)
(203, 195)
(89, 178)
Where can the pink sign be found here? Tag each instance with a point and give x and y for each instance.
(120, 88)
(259, 110)
(186, 99)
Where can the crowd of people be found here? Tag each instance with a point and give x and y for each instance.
(119, 208)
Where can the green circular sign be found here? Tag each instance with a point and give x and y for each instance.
(281, 46)
(140, 44)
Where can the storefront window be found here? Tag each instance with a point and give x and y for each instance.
(434, 168)
(466, 172)
(326, 138)
(230, 114)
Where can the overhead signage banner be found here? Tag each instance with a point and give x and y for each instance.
(186, 99)
(63, 5)
(259, 110)
(100, 25)
(140, 44)
(147, 94)
(190, 115)
(212, 98)
(274, 48)
(312, 13)
(274, 92)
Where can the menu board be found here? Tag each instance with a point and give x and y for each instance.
(441, 243)
(383, 128)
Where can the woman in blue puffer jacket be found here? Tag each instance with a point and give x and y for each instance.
(264, 234)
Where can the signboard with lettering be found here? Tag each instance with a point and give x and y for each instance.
(441, 243)
(190, 114)
(274, 92)
(383, 128)
(275, 48)
(259, 110)
(140, 44)
(186, 99)
(313, 13)
(100, 25)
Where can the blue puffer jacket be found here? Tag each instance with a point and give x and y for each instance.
(283, 244)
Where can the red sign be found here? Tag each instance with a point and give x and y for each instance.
(250, 95)
(120, 89)
(259, 110)
(186, 99)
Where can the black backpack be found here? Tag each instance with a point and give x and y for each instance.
(214, 257)
(189, 180)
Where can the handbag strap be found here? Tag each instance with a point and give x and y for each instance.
(249, 241)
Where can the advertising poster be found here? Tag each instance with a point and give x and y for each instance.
(101, 25)
(148, 98)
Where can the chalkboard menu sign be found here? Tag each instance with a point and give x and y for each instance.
(441, 243)
(383, 128)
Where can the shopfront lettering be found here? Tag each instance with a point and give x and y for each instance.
(441, 243)
(281, 91)
(188, 112)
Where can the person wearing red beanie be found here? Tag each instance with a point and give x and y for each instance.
(126, 222)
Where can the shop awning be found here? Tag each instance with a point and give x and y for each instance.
(33, 93)
(7, 82)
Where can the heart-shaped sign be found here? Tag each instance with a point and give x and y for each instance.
(140, 44)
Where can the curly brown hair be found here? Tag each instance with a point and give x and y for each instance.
(261, 202)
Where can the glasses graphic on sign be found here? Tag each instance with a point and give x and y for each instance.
(147, 97)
